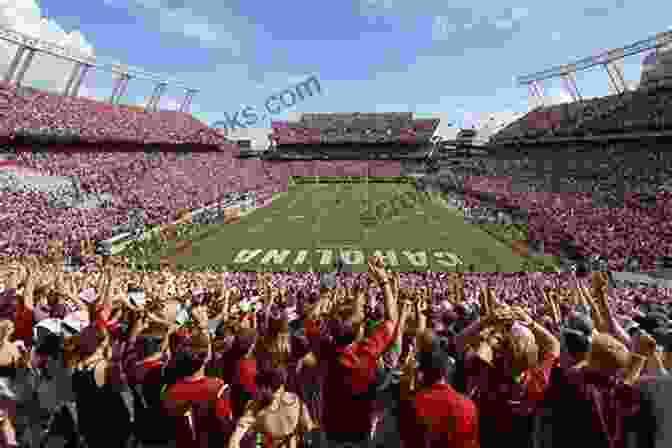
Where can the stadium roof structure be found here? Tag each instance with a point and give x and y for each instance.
(660, 43)
(355, 128)
(28, 46)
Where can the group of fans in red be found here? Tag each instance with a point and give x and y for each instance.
(120, 358)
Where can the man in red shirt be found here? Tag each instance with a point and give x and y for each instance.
(196, 400)
(435, 415)
(351, 363)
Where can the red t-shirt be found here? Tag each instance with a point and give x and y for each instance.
(203, 391)
(505, 404)
(440, 416)
(350, 372)
(244, 385)
(23, 324)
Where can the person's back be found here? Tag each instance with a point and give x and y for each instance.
(350, 363)
(350, 373)
(278, 416)
(196, 401)
(281, 429)
(100, 406)
(435, 415)
(654, 428)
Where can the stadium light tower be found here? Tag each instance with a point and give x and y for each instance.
(14, 65)
(606, 59)
(28, 45)
(83, 72)
(186, 103)
(155, 99)
(24, 67)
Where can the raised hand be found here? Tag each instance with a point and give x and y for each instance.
(406, 310)
(522, 315)
(421, 306)
(395, 284)
(377, 271)
(644, 344)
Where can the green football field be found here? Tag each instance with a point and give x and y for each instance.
(306, 227)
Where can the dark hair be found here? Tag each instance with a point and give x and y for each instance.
(268, 380)
(151, 345)
(652, 321)
(576, 341)
(663, 337)
(436, 364)
(49, 344)
(278, 323)
(344, 331)
(245, 339)
(222, 329)
(272, 377)
(190, 356)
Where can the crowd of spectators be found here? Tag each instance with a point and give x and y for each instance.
(160, 184)
(120, 358)
(615, 207)
(26, 109)
(632, 111)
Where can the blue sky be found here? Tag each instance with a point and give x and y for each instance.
(455, 59)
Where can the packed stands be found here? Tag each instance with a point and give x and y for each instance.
(353, 129)
(631, 112)
(602, 200)
(161, 184)
(52, 115)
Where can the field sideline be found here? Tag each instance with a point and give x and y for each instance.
(308, 226)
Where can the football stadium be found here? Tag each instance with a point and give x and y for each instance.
(348, 279)
(563, 187)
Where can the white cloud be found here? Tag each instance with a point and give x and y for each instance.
(45, 71)
(556, 36)
(186, 22)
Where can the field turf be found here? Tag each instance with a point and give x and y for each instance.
(305, 228)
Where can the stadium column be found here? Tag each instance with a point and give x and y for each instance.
(82, 73)
(71, 79)
(122, 87)
(11, 70)
(119, 87)
(613, 82)
(536, 94)
(614, 71)
(159, 90)
(24, 67)
(569, 79)
(184, 107)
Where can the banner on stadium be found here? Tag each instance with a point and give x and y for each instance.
(415, 258)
